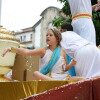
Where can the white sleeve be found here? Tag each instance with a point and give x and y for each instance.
(9, 74)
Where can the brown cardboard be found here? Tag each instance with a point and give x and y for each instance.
(24, 67)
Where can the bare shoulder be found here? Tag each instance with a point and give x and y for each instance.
(62, 52)
(62, 49)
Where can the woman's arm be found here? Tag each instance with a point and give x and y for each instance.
(72, 63)
(22, 51)
(7, 78)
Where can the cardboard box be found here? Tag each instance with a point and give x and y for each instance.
(24, 67)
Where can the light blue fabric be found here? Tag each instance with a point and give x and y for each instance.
(72, 70)
(55, 56)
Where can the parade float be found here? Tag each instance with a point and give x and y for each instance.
(28, 89)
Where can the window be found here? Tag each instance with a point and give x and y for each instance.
(30, 36)
(23, 38)
(20, 38)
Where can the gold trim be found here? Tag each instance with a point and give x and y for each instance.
(61, 73)
(14, 50)
(10, 38)
(81, 15)
(67, 78)
(9, 67)
(6, 32)
(50, 75)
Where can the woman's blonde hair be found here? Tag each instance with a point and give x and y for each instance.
(57, 34)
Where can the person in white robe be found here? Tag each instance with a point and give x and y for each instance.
(82, 23)
(84, 52)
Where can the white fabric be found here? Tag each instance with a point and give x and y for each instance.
(72, 42)
(58, 67)
(88, 58)
(9, 74)
(83, 26)
(86, 54)
(79, 6)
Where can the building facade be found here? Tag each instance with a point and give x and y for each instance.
(36, 35)
(25, 36)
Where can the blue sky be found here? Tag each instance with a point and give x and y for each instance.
(19, 14)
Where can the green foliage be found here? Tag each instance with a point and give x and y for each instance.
(66, 10)
(93, 2)
(66, 7)
(58, 21)
(96, 21)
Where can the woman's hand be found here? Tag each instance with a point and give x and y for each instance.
(7, 50)
(73, 62)
(96, 7)
(68, 66)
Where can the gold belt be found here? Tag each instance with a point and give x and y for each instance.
(60, 73)
(82, 15)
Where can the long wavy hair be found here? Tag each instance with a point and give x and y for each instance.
(57, 34)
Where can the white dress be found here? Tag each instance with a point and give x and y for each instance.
(9, 74)
(57, 72)
(83, 26)
(86, 54)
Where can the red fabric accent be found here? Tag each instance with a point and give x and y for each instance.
(96, 89)
(81, 15)
(75, 91)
